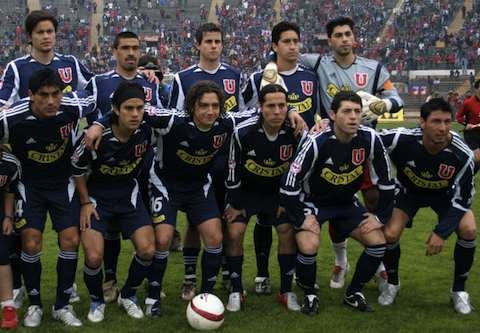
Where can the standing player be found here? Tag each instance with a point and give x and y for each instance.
(9, 171)
(127, 51)
(112, 191)
(41, 133)
(434, 169)
(41, 28)
(321, 185)
(260, 153)
(469, 114)
(302, 85)
(345, 71)
(209, 43)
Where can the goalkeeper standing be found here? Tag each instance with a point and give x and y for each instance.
(343, 70)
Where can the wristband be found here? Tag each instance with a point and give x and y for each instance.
(87, 203)
(8, 217)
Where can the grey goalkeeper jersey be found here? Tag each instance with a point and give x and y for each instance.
(363, 75)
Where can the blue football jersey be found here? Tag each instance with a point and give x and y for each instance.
(114, 163)
(227, 77)
(44, 147)
(17, 73)
(303, 95)
(257, 162)
(102, 87)
(328, 172)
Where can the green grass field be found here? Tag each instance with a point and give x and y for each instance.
(421, 306)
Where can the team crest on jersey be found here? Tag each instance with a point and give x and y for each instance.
(218, 140)
(148, 93)
(358, 156)
(65, 130)
(232, 163)
(446, 171)
(361, 79)
(295, 168)
(66, 74)
(286, 151)
(3, 180)
(307, 87)
(229, 86)
(140, 149)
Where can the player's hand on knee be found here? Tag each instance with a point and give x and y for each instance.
(311, 224)
(280, 211)
(271, 76)
(369, 224)
(372, 107)
(231, 214)
(86, 212)
(435, 244)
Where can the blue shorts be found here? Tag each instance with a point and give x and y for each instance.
(343, 218)
(410, 204)
(124, 204)
(33, 203)
(199, 205)
(265, 205)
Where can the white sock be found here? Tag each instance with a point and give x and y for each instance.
(340, 250)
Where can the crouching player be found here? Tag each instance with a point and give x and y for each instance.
(321, 185)
(112, 191)
(9, 172)
(435, 168)
(260, 152)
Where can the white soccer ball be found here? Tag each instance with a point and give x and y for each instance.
(205, 312)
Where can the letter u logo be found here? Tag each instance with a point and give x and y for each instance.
(66, 74)
(446, 171)
(307, 87)
(361, 79)
(358, 156)
(229, 86)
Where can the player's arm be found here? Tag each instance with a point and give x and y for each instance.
(83, 74)
(10, 86)
(177, 97)
(250, 92)
(292, 181)
(388, 93)
(80, 161)
(462, 113)
(463, 194)
(381, 174)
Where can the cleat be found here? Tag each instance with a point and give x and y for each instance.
(338, 276)
(226, 285)
(358, 301)
(74, 298)
(461, 302)
(235, 302)
(188, 290)
(67, 316)
(310, 307)
(289, 300)
(153, 308)
(110, 291)
(389, 292)
(97, 312)
(162, 294)
(9, 317)
(380, 279)
(262, 286)
(33, 317)
(18, 297)
(131, 306)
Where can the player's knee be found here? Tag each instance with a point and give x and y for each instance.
(93, 258)
(468, 228)
(146, 251)
(214, 240)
